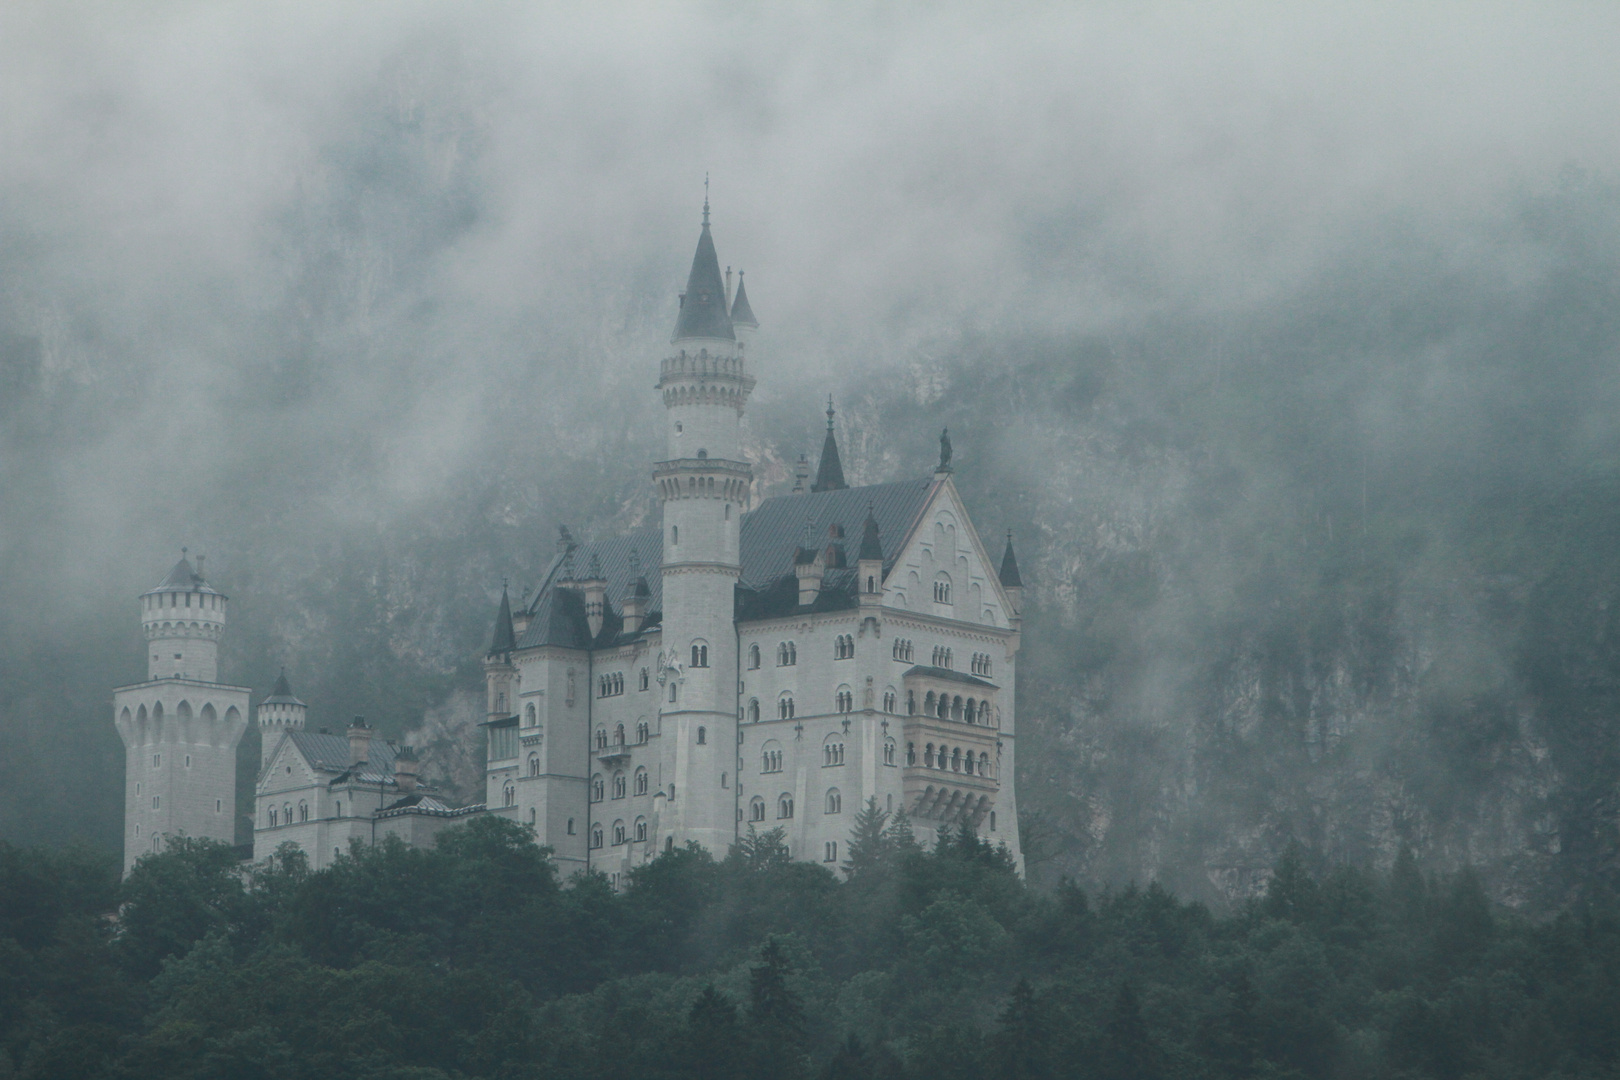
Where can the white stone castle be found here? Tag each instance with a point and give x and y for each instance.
(728, 666)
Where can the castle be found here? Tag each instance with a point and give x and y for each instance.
(726, 666)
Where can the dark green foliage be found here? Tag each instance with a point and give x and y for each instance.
(472, 960)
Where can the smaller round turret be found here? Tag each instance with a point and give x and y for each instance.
(280, 712)
(183, 618)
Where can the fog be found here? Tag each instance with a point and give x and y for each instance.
(362, 302)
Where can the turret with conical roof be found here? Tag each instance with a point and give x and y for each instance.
(869, 562)
(743, 322)
(279, 712)
(830, 474)
(703, 311)
(1012, 583)
(500, 674)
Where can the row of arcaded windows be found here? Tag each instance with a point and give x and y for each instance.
(832, 754)
(610, 685)
(832, 803)
(949, 707)
(981, 663)
(902, 650)
(942, 656)
(955, 759)
(621, 835)
(844, 647)
(284, 817)
(619, 785)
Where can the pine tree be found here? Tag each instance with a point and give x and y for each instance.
(900, 838)
(869, 848)
(1021, 1048)
(775, 1014)
(1127, 1052)
(709, 1045)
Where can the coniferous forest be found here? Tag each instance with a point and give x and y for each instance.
(473, 959)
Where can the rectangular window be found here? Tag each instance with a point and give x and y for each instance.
(155, 801)
(503, 743)
(157, 759)
(219, 804)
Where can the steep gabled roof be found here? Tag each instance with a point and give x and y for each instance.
(703, 306)
(557, 613)
(330, 753)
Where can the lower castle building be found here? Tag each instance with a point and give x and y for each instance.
(726, 666)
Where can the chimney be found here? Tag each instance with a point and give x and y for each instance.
(359, 741)
(595, 589)
(520, 617)
(809, 566)
(406, 767)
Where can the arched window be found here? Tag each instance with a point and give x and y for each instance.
(956, 708)
(534, 764)
(642, 732)
(942, 591)
(956, 760)
(911, 703)
(970, 710)
(753, 657)
(928, 704)
(641, 781)
(645, 679)
(753, 710)
(700, 655)
(672, 688)
(618, 735)
(784, 707)
(596, 788)
(889, 701)
(570, 826)
(286, 811)
(832, 751)
(596, 836)
(992, 821)
(911, 753)
(944, 707)
(888, 751)
(508, 795)
(703, 735)
(601, 738)
(641, 830)
(845, 700)
(618, 785)
(784, 806)
(843, 647)
(272, 817)
(529, 715)
(984, 767)
(928, 756)
(829, 851)
(674, 535)
(871, 584)
(618, 832)
(533, 818)
(771, 757)
(967, 763)
(793, 653)
(725, 781)
(756, 809)
(303, 811)
(834, 802)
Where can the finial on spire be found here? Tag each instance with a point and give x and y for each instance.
(705, 198)
(183, 551)
(829, 412)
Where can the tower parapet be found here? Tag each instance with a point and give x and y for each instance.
(279, 712)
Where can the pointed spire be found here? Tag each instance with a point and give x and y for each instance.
(871, 542)
(1009, 566)
(830, 475)
(282, 687)
(742, 314)
(504, 640)
(703, 305)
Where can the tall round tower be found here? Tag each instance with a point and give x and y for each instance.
(704, 486)
(183, 618)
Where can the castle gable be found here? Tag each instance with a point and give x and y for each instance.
(944, 551)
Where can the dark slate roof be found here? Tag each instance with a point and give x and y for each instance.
(1009, 567)
(182, 579)
(557, 614)
(947, 673)
(741, 313)
(771, 536)
(503, 640)
(330, 753)
(703, 305)
(773, 531)
(281, 693)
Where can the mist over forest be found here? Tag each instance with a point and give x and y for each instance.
(1287, 347)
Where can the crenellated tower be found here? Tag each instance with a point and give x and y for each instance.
(279, 712)
(705, 486)
(180, 727)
